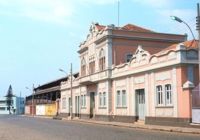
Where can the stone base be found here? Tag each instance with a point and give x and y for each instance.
(114, 118)
(168, 121)
(85, 116)
(64, 115)
(125, 119)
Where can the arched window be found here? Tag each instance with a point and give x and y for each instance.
(83, 67)
(128, 57)
(101, 60)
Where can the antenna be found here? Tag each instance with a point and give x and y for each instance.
(118, 3)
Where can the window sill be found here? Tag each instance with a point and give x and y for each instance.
(102, 107)
(168, 106)
(120, 107)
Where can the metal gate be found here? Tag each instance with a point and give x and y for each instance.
(196, 105)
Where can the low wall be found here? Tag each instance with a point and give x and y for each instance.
(27, 110)
(168, 121)
(46, 109)
(40, 109)
(50, 109)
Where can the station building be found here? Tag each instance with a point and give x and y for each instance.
(131, 74)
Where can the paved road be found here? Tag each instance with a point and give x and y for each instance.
(27, 128)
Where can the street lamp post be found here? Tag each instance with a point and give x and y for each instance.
(181, 21)
(71, 103)
(198, 30)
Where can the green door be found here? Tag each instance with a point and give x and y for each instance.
(92, 104)
(140, 104)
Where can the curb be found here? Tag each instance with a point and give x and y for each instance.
(35, 116)
(147, 127)
(175, 129)
(56, 118)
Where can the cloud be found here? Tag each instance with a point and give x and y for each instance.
(55, 11)
(166, 8)
(188, 15)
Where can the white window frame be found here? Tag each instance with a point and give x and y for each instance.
(124, 98)
(100, 99)
(104, 99)
(168, 90)
(159, 95)
(84, 96)
(64, 104)
(118, 98)
(102, 59)
(82, 101)
(164, 95)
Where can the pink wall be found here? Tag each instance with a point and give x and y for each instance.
(123, 46)
(184, 95)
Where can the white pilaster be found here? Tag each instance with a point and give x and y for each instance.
(174, 92)
(108, 53)
(127, 94)
(133, 99)
(130, 97)
(147, 94)
(153, 95)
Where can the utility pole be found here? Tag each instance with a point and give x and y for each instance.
(33, 100)
(19, 107)
(198, 30)
(71, 109)
(118, 8)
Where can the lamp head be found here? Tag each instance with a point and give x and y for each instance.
(61, 70)
(176, 18)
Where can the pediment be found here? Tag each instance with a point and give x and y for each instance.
(140, 55)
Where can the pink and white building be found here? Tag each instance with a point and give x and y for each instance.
(131, 73)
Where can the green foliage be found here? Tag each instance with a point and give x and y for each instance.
(9, 96)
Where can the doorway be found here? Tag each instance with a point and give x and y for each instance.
(92, 104)
(77, 106)
(140, 104)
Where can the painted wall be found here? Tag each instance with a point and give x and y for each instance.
(46, 109)
(40, 109)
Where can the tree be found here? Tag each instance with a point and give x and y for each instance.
(9, 98)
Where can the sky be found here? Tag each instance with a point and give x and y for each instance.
(37, 37)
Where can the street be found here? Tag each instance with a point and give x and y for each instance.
(28, 128)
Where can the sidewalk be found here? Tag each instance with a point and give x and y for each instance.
(130, 125)
(141, 126)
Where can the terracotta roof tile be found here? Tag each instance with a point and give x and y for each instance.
(128, 27)
(188, 44)
(100, 27)
(131, 27)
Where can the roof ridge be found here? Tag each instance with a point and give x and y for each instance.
(133, 27)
